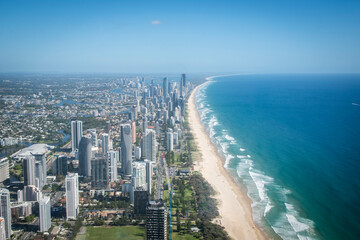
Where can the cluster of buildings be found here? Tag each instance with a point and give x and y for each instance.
(124, 153)
(36, 113)
(8, 141)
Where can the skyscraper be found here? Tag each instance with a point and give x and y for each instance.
(157, 128)
(144, 124)
(99, 173)
(126, 150)
(94, 142)
(141, 198)
(40, 170)
(2, 229)
(183, 78)
(156, 221)
(133, 113)
(29, 170)
(181, 87)
(169, 141)
(45, 214)
(149, 172)
(4, 169)
(85, 156)
(76, 134)
(105, 144)
(108, 127)
(150, 145)
(113, 157)
(138, 178)
(5, 210)
(133, 132)
(31, 193)
(72, 195)
(61, 165)
(137, 153)
(165, 87)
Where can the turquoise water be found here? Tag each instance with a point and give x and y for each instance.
(294, 142)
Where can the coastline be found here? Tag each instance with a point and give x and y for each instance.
(234, 205)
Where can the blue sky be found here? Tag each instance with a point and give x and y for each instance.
(305, 36)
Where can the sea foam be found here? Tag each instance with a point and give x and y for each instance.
(287, 224)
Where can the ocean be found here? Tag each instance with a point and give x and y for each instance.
(293, 143)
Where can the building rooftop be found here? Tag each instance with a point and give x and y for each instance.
(33, 149)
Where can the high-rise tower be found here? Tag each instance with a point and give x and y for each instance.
(169, 141)
(156, 221)
(165, 87)
(5, 210)
(45, 214)
(126, 149)
(29, 171)
(113, 157)
(150, 145)
(85, 156)
(72, 195)
(76, 134)
(105, 144)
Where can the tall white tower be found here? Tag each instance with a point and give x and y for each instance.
(169, 141)
(113, 157)
(5, 210)
(72, 195)
(45, 214)
(150, 142)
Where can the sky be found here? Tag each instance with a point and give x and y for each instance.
(252, 36)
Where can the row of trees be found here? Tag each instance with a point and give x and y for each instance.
(207, 208)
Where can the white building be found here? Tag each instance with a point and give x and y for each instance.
(40, 169)
(137, 153)
(169, 141)
(138, 178)
(45, 214)
(2, 229)
(72, 195)
(8, 141)
(113, 158)
(176, 138)
(150, 142)
(4, 169)
(94, 140)
(5, 210)
(149, 173)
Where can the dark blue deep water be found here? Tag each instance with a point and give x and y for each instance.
(294, 142)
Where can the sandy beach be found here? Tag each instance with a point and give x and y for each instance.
(234, 206)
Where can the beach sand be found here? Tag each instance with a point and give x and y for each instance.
(234, 205)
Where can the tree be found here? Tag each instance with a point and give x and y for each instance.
(30, 218)
(188, 225)
(178, 224)
(66, 225)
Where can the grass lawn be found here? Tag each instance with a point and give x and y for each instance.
(186, 236)
(113, 233)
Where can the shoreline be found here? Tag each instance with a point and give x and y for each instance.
(235, 212)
